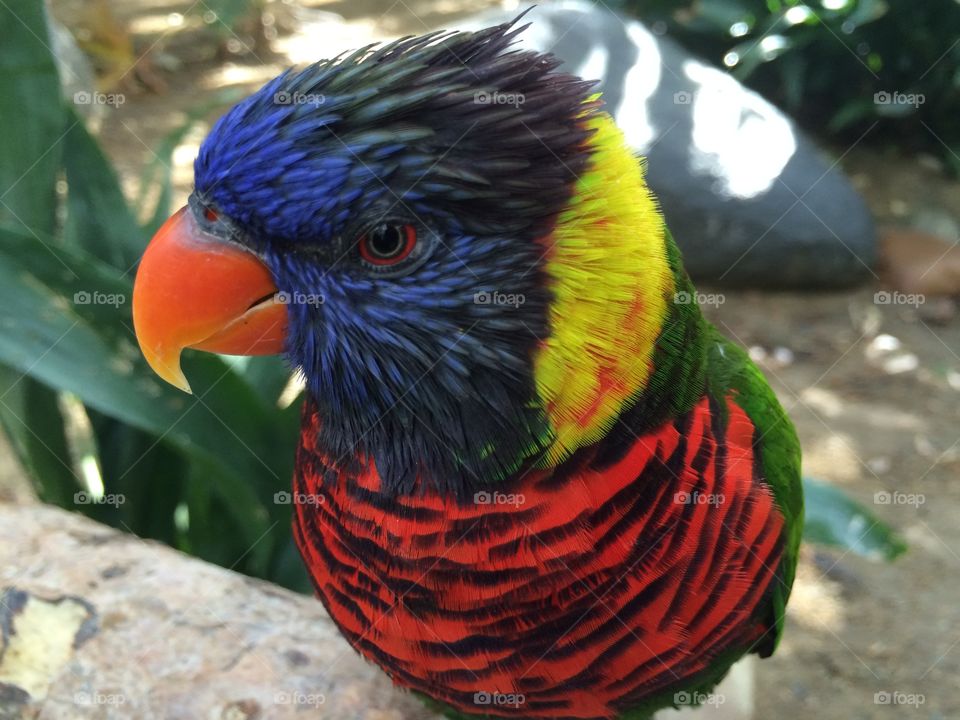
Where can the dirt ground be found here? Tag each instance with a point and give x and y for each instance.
(873, 389)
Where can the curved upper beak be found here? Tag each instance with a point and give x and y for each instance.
(194, 290)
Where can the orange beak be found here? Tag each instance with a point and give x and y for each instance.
(196, 291)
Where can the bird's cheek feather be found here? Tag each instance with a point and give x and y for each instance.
(194, 290)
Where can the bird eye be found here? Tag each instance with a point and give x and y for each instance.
(387, 243)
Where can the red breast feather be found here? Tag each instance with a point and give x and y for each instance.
(582, 592)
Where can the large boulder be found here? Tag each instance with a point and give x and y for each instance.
(750, 200)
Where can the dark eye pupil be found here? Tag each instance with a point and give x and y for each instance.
(386, 240)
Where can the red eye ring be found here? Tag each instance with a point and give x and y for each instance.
(210, 214)
(387, 244)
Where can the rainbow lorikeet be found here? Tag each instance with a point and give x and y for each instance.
(550, 489)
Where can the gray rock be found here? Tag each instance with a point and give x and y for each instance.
(172, 637)
(749, 199)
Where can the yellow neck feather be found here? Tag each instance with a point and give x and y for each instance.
(607, 264)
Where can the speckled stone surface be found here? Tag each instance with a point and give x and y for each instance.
(100, 624)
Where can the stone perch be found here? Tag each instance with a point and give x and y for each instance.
(96, 624)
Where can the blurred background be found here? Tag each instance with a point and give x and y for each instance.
(806, 156)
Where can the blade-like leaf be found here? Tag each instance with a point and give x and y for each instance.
(98, 219)
(73, 333)
(229, 12)
(268, 375)
(833, 518)
(32, 118)
(148, 475)
(34, 423)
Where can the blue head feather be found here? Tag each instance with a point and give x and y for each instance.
(474, 145)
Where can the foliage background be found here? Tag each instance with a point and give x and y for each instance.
(78, 403)
(799, 55)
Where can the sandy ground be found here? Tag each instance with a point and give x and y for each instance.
(873, 389)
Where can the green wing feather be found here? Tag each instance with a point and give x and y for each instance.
(695, 346)
(729, 368)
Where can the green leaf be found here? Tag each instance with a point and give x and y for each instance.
(755, 52)
(718, 15)
(833, 518)
(32, 118)
(851, 113)
(210, 496)
(98, 219)
(31, 417)
(268, 375)
(866, 11)
(793, 77)
(199, 472)
(288, 569)
(147, 472)
(74, 333)
(229, 12)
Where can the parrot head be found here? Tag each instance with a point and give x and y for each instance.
(447, 236)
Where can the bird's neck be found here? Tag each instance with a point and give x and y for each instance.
(615, 275)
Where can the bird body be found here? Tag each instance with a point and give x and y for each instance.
(545, 486)
(611, 585)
